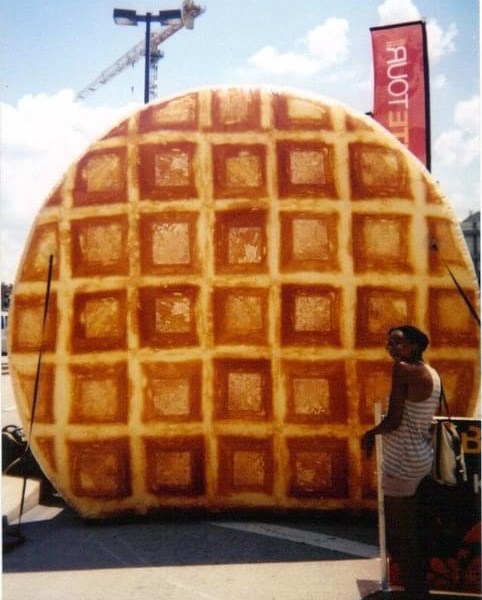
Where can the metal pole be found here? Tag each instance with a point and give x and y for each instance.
(148, 57)
(385, 579)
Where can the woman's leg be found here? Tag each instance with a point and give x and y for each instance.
(403, 543)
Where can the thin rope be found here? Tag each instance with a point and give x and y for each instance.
(459, 288)
(36, 388)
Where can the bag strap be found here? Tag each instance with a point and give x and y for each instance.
(443, 402)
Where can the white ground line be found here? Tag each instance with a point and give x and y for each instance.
(319, 540)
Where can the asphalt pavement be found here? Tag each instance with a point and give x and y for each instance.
(332, 556)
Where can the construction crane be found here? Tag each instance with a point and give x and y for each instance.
(190, 11)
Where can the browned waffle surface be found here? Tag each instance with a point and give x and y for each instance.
(225, 267)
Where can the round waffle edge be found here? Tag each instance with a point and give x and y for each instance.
(226, 264)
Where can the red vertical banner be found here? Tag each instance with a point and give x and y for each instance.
(401, 92)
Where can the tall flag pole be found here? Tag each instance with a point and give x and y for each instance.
(402, 88)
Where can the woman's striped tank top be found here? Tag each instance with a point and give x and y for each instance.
(407, 451)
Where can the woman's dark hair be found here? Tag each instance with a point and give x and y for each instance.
(413, 335)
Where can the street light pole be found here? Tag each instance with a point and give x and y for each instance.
(130, 17)
(148, 58)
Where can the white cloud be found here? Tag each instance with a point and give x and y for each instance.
(467, 114)
(268, 59)
(329, 43)
(438, 81)
(322, 47)
(459, 145)
(440, 42)
(458, 163)
(40, 137)
(456, 147)
(463, 200)
(397, 11)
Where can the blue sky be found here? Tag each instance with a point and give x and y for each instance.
(52, 49)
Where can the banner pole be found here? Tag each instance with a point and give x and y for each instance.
(428, 121)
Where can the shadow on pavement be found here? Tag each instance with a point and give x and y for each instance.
(66, 542)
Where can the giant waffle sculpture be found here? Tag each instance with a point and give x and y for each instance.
(226, 264)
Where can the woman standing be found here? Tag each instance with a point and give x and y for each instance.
(407, 451)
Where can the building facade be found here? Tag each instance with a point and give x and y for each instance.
(471, 230)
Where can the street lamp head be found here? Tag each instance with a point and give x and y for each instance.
(125, 17)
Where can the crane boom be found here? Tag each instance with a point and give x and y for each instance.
(190, 12)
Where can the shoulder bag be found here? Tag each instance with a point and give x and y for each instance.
(448, 454)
